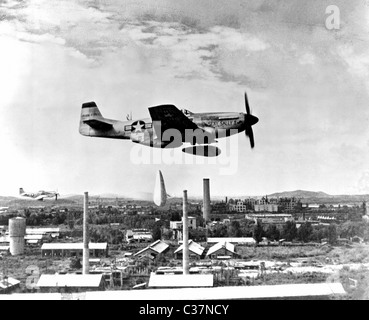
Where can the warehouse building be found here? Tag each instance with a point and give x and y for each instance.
(195, 251)
(153, 250)
(138, 235)
(74, 249)
(222, 250)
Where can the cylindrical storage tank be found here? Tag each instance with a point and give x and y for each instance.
(17, 231)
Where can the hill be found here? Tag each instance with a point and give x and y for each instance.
(300, 194)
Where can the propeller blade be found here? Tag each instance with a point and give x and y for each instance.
(247, 104)
(250, 134)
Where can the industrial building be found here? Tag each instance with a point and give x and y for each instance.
(74, 249)
(138, 235)
(47, 233)
(177, 227)
(222, 250)
(153, 250)
(195, 251)
(49, 283)
(267, 207)
(278, 219)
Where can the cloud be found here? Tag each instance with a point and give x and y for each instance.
(308, 85)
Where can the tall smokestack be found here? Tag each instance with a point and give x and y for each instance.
(206, 201)
(86, 250)
(186, 264)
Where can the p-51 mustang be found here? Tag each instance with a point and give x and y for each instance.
(170, 127)
(40, 195)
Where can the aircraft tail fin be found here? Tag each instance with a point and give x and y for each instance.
(91, 117)
(21, 190)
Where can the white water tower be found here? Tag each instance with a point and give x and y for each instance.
(17, 231)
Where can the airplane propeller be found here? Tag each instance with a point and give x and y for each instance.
(250, 120)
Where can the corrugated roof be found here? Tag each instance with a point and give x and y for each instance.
(181, 280)
(73, 246)
(248, 240)
(70, 280)
(228, 246)
(158, 246)
(193, 247)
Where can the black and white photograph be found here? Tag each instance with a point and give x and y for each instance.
(182, 156)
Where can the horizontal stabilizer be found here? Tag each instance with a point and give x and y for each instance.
(99, 124)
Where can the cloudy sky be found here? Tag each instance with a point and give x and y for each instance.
(307, 83)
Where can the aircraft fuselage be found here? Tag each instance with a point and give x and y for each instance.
(220, 124)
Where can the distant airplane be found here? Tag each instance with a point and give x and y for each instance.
(40, 195)
(169, 127)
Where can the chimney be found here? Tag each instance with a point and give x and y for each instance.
(206, 201)
(86, 251)
(185, 252)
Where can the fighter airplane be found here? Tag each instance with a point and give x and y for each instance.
(40, 195)
(169, 127)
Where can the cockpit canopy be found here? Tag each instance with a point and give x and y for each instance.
(186, 112)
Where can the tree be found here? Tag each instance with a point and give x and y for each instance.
(273, 233)
(75, 263)
(197, 234)
(332, 234)
(175, 216)
(234, 229)
(247, 227)
(258, 232)
(304, 232)
(156, 232)
(167, 234)
(289, 231)
(220, 231)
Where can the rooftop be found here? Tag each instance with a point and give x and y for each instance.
(7, 283)
(192, 246)
(248, 240)
(73, 246)
(228, 246)
(70, 280)
(158, 246)
(181, 280)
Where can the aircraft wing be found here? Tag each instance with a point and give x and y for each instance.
(40, 197)
(99, 124)
(171, 118)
